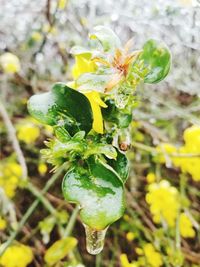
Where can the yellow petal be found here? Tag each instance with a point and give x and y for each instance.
(96, 110)
(82, 65)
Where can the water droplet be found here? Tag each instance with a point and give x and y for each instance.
(94, 239)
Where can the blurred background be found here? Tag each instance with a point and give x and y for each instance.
(40, 34)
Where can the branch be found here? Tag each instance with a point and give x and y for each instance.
(13, 138)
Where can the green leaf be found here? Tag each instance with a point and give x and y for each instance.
(157, 59)
(59, 250)
(98, 191)
(115, 115)
(97, 148)
(62, 106)
(91, 81)
(108, 39)
(120, 165)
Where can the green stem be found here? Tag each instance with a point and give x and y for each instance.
(30, 210)
(37, 194)
(71, 222)
(98, 260)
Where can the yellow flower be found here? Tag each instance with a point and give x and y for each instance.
(62, 4)
(28, 132)
(96, 104)
(164, 150)
(185, 225)
(16, 256)
(124, 261)
(151, 178)
(190, 164)
(130, 236)
(2, 223)
(42, 168)
(10, 174)
(36, 36)
(152, 256)
(164, 202)
(82, 65)
(10, 63)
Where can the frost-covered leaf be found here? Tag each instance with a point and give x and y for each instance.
(157, 59)
(98, 191)
(62, 106)
(108, 39)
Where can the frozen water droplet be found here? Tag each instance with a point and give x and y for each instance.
(94, 240)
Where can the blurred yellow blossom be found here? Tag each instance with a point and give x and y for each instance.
(153, 257)
(124, 261)
(10, 173)
(82, 65)
(10, 63)
(164, 202)
(42, 168)
(2, 223)
(185, 225)
(151, 178)
(36, 36)
(190, 164)
(164, 150)
(62, 4)
(192, 146)
(16, 256)
(130, 236)
(49, 29)
(28, 132)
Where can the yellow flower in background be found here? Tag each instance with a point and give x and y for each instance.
(185, 225)
(164, 150)
(62, 4)
(190, 164)
(10, 63)
(151, 178)
(28, 132)
(2, 223)
(124, 261)
(153, 257)
(36, 36)
(49, 29)
(42, 168)
(164, 202)
(130, 236)
(82, 65)
(10, 174)
(16, 256)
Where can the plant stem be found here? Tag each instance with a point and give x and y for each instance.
(30, 210)
(12, 135)
(37, 193)
(98, 260)
(71, 222)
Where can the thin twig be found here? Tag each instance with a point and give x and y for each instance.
(12, 135)
(30, 210)
(71, 222)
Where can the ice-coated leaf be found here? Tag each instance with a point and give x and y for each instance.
(157, 59)
(91, 81)
(98, 191)
(109, 40)
(120, 165)
(115, 115)
(62, 106)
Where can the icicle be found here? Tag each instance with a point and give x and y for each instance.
(94, 240)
